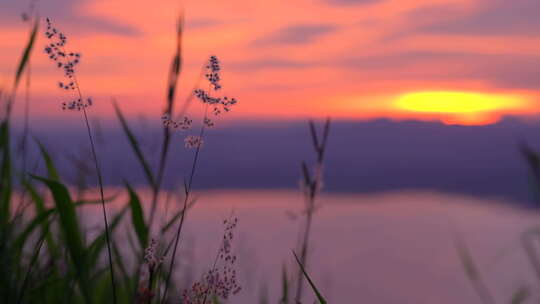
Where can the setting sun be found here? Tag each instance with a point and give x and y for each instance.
(457, 102)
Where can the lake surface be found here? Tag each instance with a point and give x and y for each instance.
(392, 247)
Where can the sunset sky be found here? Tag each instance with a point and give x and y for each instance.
(457, 61)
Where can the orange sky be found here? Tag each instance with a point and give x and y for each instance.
(297, 59)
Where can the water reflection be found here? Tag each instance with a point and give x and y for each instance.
(378, 248)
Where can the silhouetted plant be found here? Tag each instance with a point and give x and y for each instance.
(67, 61)
(311, 185)
(220, 282)
(196, 142)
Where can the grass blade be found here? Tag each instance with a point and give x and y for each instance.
(176, 67)
(5, 174)
(124, 293)
(174, 73)
(313, 287)
(135, 145)
(71, 231)
(49, 164)
(177, 216)
(41, 209)
(137, 217)
(326, 132)
(99, 242)
(314, 137)
(40, 219)
(26, 54)
(35, 255)
(472, 271)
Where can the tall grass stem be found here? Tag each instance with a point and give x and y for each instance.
(101, 192)
(186, 199)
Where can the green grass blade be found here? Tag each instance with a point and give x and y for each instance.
(50, 289)
(315, 290)
(137, 217)
(100, 241)
(49, 164)
(35, 255)
(126, 278)
(101, 290)
(171, 222)
(39, 203)
(71, 231)
(38, 220)
(26, 54)
(176, 217)
(5, 174)
(135, 145)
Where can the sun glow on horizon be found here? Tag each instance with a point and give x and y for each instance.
(458, 102)
(468, 108)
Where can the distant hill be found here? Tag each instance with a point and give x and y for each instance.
(362, 157)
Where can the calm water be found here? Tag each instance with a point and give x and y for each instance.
(378, 248)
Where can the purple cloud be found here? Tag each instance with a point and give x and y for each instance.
(495, 18)
(200, 23)
(296, 34)
(67, 16)
(352, 2)
(502, 70)
(269, 63)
